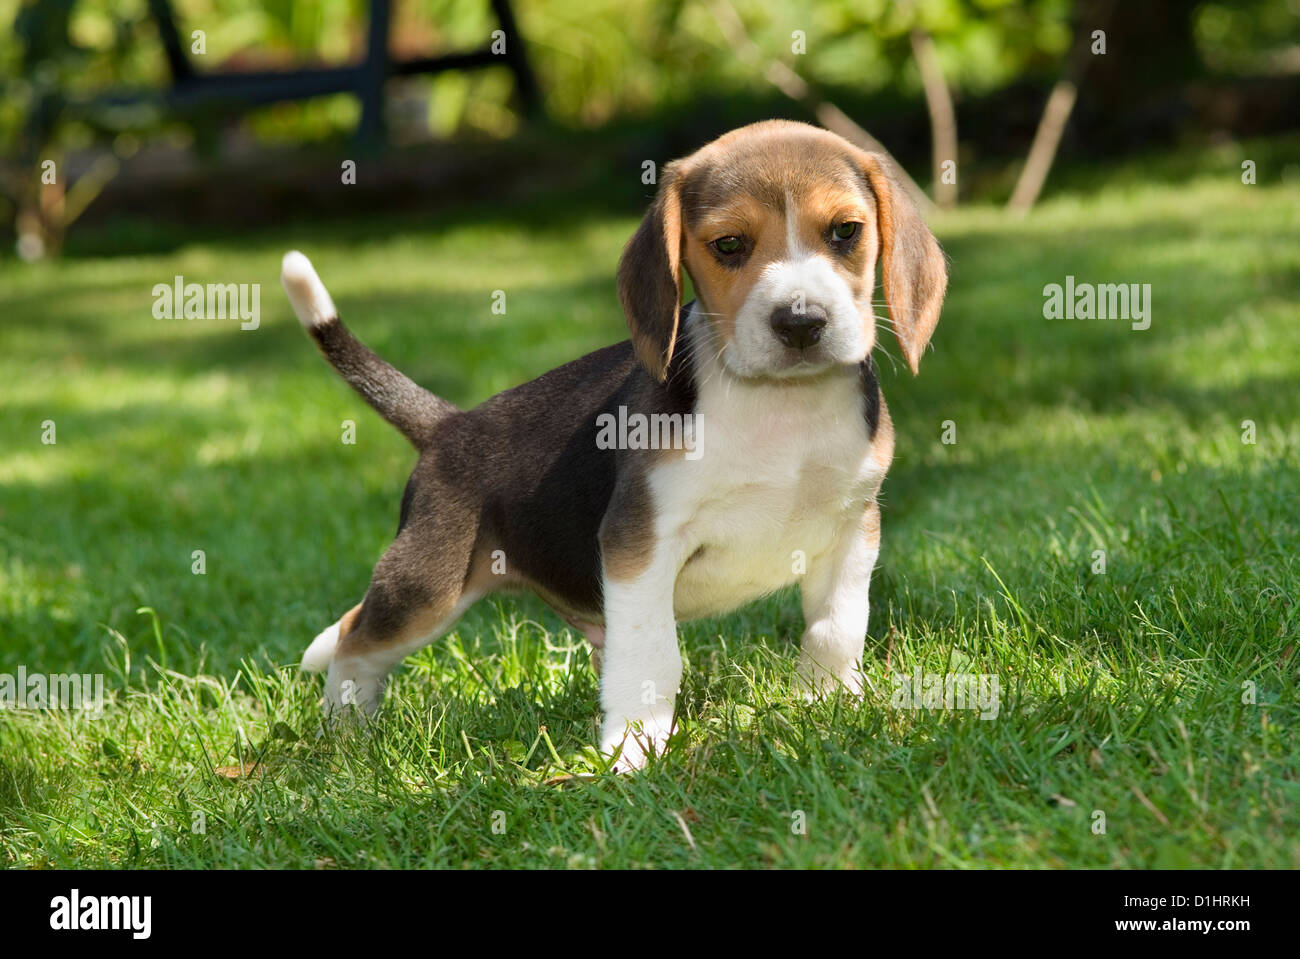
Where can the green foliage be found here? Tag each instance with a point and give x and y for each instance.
(596, 59)
(1250, 36)
(602, 58)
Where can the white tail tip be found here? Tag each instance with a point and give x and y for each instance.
(310, 300)
(320, 653)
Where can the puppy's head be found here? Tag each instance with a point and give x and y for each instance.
(780, 225)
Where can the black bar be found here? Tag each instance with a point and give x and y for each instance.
(1247, 911)
(177, 62)
(266, 87)
(374, 75)
(261, 87)
(190, 90)
(516, 56)
(447, 61)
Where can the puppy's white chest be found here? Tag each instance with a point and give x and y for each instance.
(781, 470)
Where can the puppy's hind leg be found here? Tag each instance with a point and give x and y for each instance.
(595, 633)
(416, 594)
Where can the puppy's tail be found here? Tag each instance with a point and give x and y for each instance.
(409, 407)
(320, 653)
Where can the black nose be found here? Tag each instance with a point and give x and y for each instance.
(799, 330)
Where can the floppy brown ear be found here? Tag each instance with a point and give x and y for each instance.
(913, 268)
(650, 279)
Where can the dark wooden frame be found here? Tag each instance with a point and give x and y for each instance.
(190, 89)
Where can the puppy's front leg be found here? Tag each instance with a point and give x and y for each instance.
(642, 664)
(835, 607)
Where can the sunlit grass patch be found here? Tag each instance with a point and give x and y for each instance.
(1101, 537)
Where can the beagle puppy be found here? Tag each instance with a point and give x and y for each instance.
(784, 443)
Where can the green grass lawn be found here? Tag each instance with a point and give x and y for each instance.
(1160, 695)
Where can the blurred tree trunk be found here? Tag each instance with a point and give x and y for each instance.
(1135, 89)
(1043, 150)
(943, 119)
(1092, 16)
(46, 201)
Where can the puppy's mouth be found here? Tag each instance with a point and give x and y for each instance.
(795, 364)
(790, 364)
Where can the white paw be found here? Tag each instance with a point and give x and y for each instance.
(635, 740)
(351, 694)
(817, 679)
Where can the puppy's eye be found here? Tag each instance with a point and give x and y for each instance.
(845, 231)
(729, 245)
